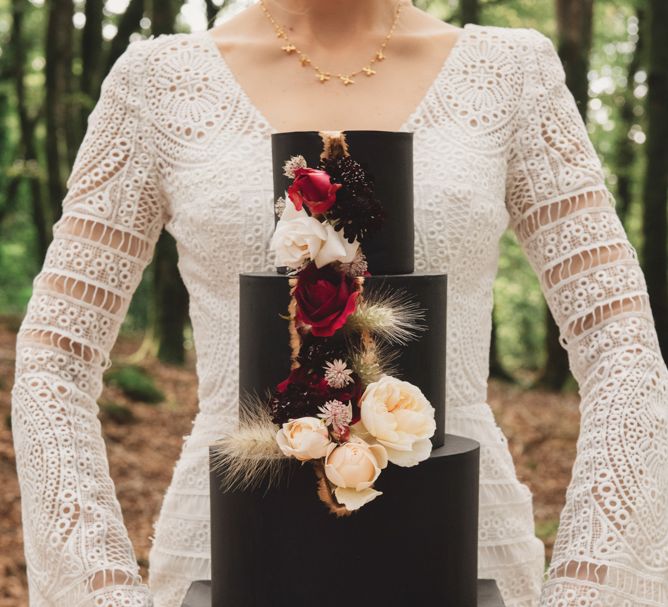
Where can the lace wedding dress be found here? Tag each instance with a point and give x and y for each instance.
(174, 141)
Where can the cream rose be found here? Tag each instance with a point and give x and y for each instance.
(398, 415)
(299, 238)
(304, 438)
(353, 467)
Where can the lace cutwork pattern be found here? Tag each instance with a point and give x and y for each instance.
(498, 142)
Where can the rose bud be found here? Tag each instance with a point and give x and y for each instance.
(353, 467)
(304, 438)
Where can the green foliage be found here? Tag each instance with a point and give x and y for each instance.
(135, 383)
(519, 309)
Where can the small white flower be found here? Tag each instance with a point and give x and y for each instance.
(337, 374)
(358, 266)
(336, 414)
(279, 206)
(290, 166)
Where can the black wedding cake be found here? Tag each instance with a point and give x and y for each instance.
(341, 486)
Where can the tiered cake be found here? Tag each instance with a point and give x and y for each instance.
(414, 542)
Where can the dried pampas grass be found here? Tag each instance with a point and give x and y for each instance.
(249, 455)
(389, 314)
(372, 363)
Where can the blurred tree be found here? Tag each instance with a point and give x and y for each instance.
(26, 153)
(92, 49)
(170, 306)
(469, 11)
(655, 195)
(574, 27)
(212, 10)
(128, 23)
(625, 152)
(58, 72)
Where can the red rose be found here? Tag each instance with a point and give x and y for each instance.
(313, 188)
(325, 298)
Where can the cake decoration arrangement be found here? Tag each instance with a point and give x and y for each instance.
(341, 440)
(341, 407)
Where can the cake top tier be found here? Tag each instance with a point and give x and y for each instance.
(387, 159)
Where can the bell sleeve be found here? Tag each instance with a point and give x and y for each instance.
(77, 548)
(612, 542)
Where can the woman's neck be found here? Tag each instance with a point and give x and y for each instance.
(332, 23)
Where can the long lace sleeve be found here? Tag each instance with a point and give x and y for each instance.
(76, 545)
(612, 544)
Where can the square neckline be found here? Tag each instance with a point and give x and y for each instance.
(456, 47)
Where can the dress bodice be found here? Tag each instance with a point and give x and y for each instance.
(218, 186)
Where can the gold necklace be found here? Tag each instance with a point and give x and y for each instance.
(323, 76)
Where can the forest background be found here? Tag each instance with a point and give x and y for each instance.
(54, 55)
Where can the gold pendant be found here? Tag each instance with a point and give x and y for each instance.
(289, 48)
(322, 77)
(380, 56)
(368, 70)
(346, 79)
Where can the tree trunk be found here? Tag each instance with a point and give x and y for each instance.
(127, 25)
(574, 26)
(626, 148)
(27, 124)
(171, 296)
(496, 369)
(91, 57)
(469, 11)
(212, 11)
(655, 262)
(58, 70)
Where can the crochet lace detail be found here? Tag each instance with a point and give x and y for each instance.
(498, 143)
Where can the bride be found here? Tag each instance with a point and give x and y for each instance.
(180, 139)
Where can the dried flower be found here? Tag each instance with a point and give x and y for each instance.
(337, 373)
(338, 416)
(279, 206)
(357, 210)
(358, 266)
(290, 166)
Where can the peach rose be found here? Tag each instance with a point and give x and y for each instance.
(353, 467)
(398, 415)
(304, 438)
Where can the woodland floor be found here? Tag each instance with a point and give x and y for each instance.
(541, 428)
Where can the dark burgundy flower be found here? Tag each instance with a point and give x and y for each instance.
(325, 299)
(313, 188)
(357, 210)
(298, 395)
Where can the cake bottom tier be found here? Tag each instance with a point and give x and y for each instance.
(416, 544)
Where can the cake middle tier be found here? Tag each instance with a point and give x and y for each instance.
(264, 340)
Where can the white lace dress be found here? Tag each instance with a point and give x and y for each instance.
(174, 141)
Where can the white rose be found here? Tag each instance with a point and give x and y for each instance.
(354, 467)
(304, 438)
(335, 248)
(298, 238)
(398, 415)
